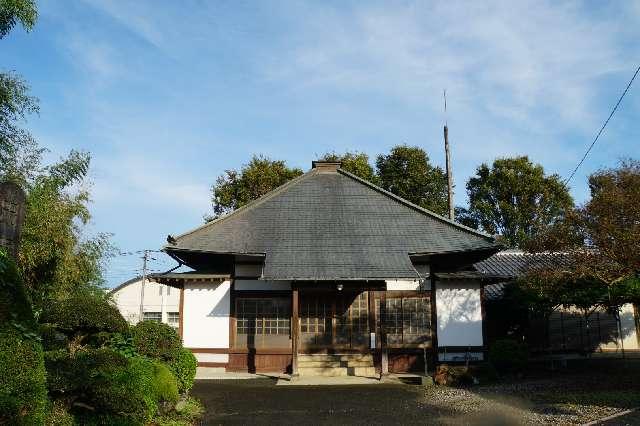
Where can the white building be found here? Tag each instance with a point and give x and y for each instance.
(160, 302)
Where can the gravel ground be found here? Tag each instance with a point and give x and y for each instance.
(568, 399)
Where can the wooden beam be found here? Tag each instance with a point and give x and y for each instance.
(295, 328)
(384, 355)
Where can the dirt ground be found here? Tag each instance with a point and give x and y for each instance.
(575, 397)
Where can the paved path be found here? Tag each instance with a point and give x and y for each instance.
(261, 402)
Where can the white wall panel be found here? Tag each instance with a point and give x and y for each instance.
(206, 315)
(459, 313)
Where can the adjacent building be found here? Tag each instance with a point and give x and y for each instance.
(159, 302)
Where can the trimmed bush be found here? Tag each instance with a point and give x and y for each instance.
(104, 387)
(84, 313)
(15, 305)
(23, 393)
(184, 369)
(508, 355)
(156, 340)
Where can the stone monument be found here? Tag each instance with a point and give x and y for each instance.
(12, 210)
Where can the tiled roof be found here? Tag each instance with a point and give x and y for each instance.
(332, 225)
(511, 264)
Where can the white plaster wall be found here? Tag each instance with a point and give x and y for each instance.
(206, 315)
(157, 298)
(459, 313)
(249, 285)
(408, 285)
(211, 357)
(629, 329)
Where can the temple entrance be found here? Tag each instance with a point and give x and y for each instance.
(334, 321)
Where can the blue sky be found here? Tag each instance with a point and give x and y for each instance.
(167, 95)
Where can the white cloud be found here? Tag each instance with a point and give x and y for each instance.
(521, 61)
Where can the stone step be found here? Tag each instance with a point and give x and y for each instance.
(362, 371)
(367, 363)
(322, 372)
(356, 357)
(324, 363)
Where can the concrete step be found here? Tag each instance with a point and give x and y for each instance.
(323, 364)
(356, 357)
(322, 372)
(318, 357)
(362, 371)
(368, 363)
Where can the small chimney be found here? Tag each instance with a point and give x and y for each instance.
(326, 166)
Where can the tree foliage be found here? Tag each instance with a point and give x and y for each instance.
(55, 258)
(17, 11)
(19, 153)
(261, 175)
(407, 172)
(356, 163)
(514, 199)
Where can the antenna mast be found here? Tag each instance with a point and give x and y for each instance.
(448, 156)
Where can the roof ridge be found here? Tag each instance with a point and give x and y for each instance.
(244, 208)
(415, 206)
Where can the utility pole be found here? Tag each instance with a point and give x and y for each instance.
(145, 258)
(448, 156)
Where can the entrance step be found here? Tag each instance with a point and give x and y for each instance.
(362, 371)
(325, 364)
(334, 365)
(322, 372)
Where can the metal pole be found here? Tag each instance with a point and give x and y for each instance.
(144, 278)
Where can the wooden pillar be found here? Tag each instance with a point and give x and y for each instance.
(434, 318)
(384, 355)
(295, 329)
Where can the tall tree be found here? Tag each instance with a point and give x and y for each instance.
(14, 11)
(356, 163)
(514, 199)
(407, 172)
(236, 188)
(55, 258)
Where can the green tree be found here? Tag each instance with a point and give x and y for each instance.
(54, 257)
(236, 188)
(514, 199)
(356, 163)
(14, 11)
(407, 172)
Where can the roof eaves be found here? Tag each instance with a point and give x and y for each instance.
(244, 208)
(124, 284)
(415, 206)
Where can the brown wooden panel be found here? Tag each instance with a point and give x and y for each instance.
(252, 362)
(406, 362)
(212, 364)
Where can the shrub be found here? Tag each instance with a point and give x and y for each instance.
(58, 415)
(23, 393)
(52, 338)
(508, 355)
(156, 340)
(105, 387)
(123, 344)
(84, 313)
(184, 369)
(14, 303)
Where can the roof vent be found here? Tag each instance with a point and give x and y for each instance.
(326, 166)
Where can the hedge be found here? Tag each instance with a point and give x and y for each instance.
(508, 355)
(23, 393)
(156, 340)
(84, 313)
(184, 367)
(105, 387)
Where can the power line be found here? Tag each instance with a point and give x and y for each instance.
(613, 111)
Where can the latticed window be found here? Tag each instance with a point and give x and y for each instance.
(407, 320)
(263, 322)
(152, 316)
(173, 319)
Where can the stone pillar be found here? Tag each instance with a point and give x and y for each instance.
(12, 210)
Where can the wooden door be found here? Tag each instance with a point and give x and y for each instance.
(352, 320)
